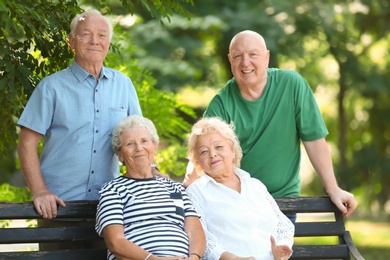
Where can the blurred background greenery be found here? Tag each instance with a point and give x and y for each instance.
(176, 54)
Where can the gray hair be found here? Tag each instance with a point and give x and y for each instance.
(213, 125)
(78, 18)
(132, 122)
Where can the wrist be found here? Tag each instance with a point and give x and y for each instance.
(198, 256)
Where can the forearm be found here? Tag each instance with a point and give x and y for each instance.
(126, 250)
(29, 161)
(321, 160)
(196, 236)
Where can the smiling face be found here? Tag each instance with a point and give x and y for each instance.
(137, 150)
(214, 154)
(91, 41)
(249, 58)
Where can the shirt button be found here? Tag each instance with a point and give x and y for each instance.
(94, 151)
(89, 190)
(97, 131)
(92, 172)
(97, 110)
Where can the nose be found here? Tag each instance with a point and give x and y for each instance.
(94, 38)
(212, 155)
(138, 146)
(245, 59)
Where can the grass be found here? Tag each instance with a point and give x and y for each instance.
(372, 239)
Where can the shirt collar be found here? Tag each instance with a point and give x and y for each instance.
(82, 74)
(239, 172)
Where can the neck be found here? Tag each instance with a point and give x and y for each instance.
(93, 69)
(138, 174)
(252, 93)
(231, 181)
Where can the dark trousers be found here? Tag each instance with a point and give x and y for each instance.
(292, 217)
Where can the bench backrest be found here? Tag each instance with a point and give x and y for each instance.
(313, 228)
(87, 209)
(73, 209)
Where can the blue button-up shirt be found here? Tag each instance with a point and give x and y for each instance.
(76, 116)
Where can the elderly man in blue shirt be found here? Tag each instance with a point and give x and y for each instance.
(75, 111)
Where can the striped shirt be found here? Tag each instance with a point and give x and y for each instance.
(152, 212)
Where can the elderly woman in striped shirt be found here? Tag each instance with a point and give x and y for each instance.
(142, 216)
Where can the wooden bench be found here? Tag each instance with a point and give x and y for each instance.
(344, 249)
(86, 209)
(25, 210)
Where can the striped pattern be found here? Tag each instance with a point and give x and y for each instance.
(152, 212)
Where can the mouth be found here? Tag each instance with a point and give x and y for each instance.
(247, 71)
(215, 162)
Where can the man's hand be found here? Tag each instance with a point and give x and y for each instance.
(45, 203)
(344, 200)
(191, 175)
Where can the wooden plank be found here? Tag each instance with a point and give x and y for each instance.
(25, 210)
(53, 234)
(320, 252)
(308, 229)
(306, 205)
(74, 254)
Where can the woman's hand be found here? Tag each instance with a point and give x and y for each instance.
(281, 252)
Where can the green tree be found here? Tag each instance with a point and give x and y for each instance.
(33, 44)
(340, 47)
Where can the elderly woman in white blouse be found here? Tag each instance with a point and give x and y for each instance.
(240, 218)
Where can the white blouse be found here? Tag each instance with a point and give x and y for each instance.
(240, 223)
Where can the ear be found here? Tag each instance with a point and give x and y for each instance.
(118, 153)
(71, 40)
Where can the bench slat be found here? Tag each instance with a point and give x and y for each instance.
(306, 205)
(307, 229)
(25, 210)
(319, 251)
(52, 234)
(74, 254)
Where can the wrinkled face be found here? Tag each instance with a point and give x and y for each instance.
(214, 154)
(249, 59)
(91, 41)
(137, 150)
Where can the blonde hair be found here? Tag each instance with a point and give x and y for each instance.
(213, 125)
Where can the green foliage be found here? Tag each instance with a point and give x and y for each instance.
(31, 32)
(33, 44)
(163, 108)
(341, 49)
(10, 193)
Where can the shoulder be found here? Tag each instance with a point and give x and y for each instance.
(113, 73)
(61, 75)
(199, 185)
(282, 73)
(115, 184)
(245, 176)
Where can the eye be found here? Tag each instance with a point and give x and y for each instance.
(254, 55)
(203, 152)
(237, 56)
